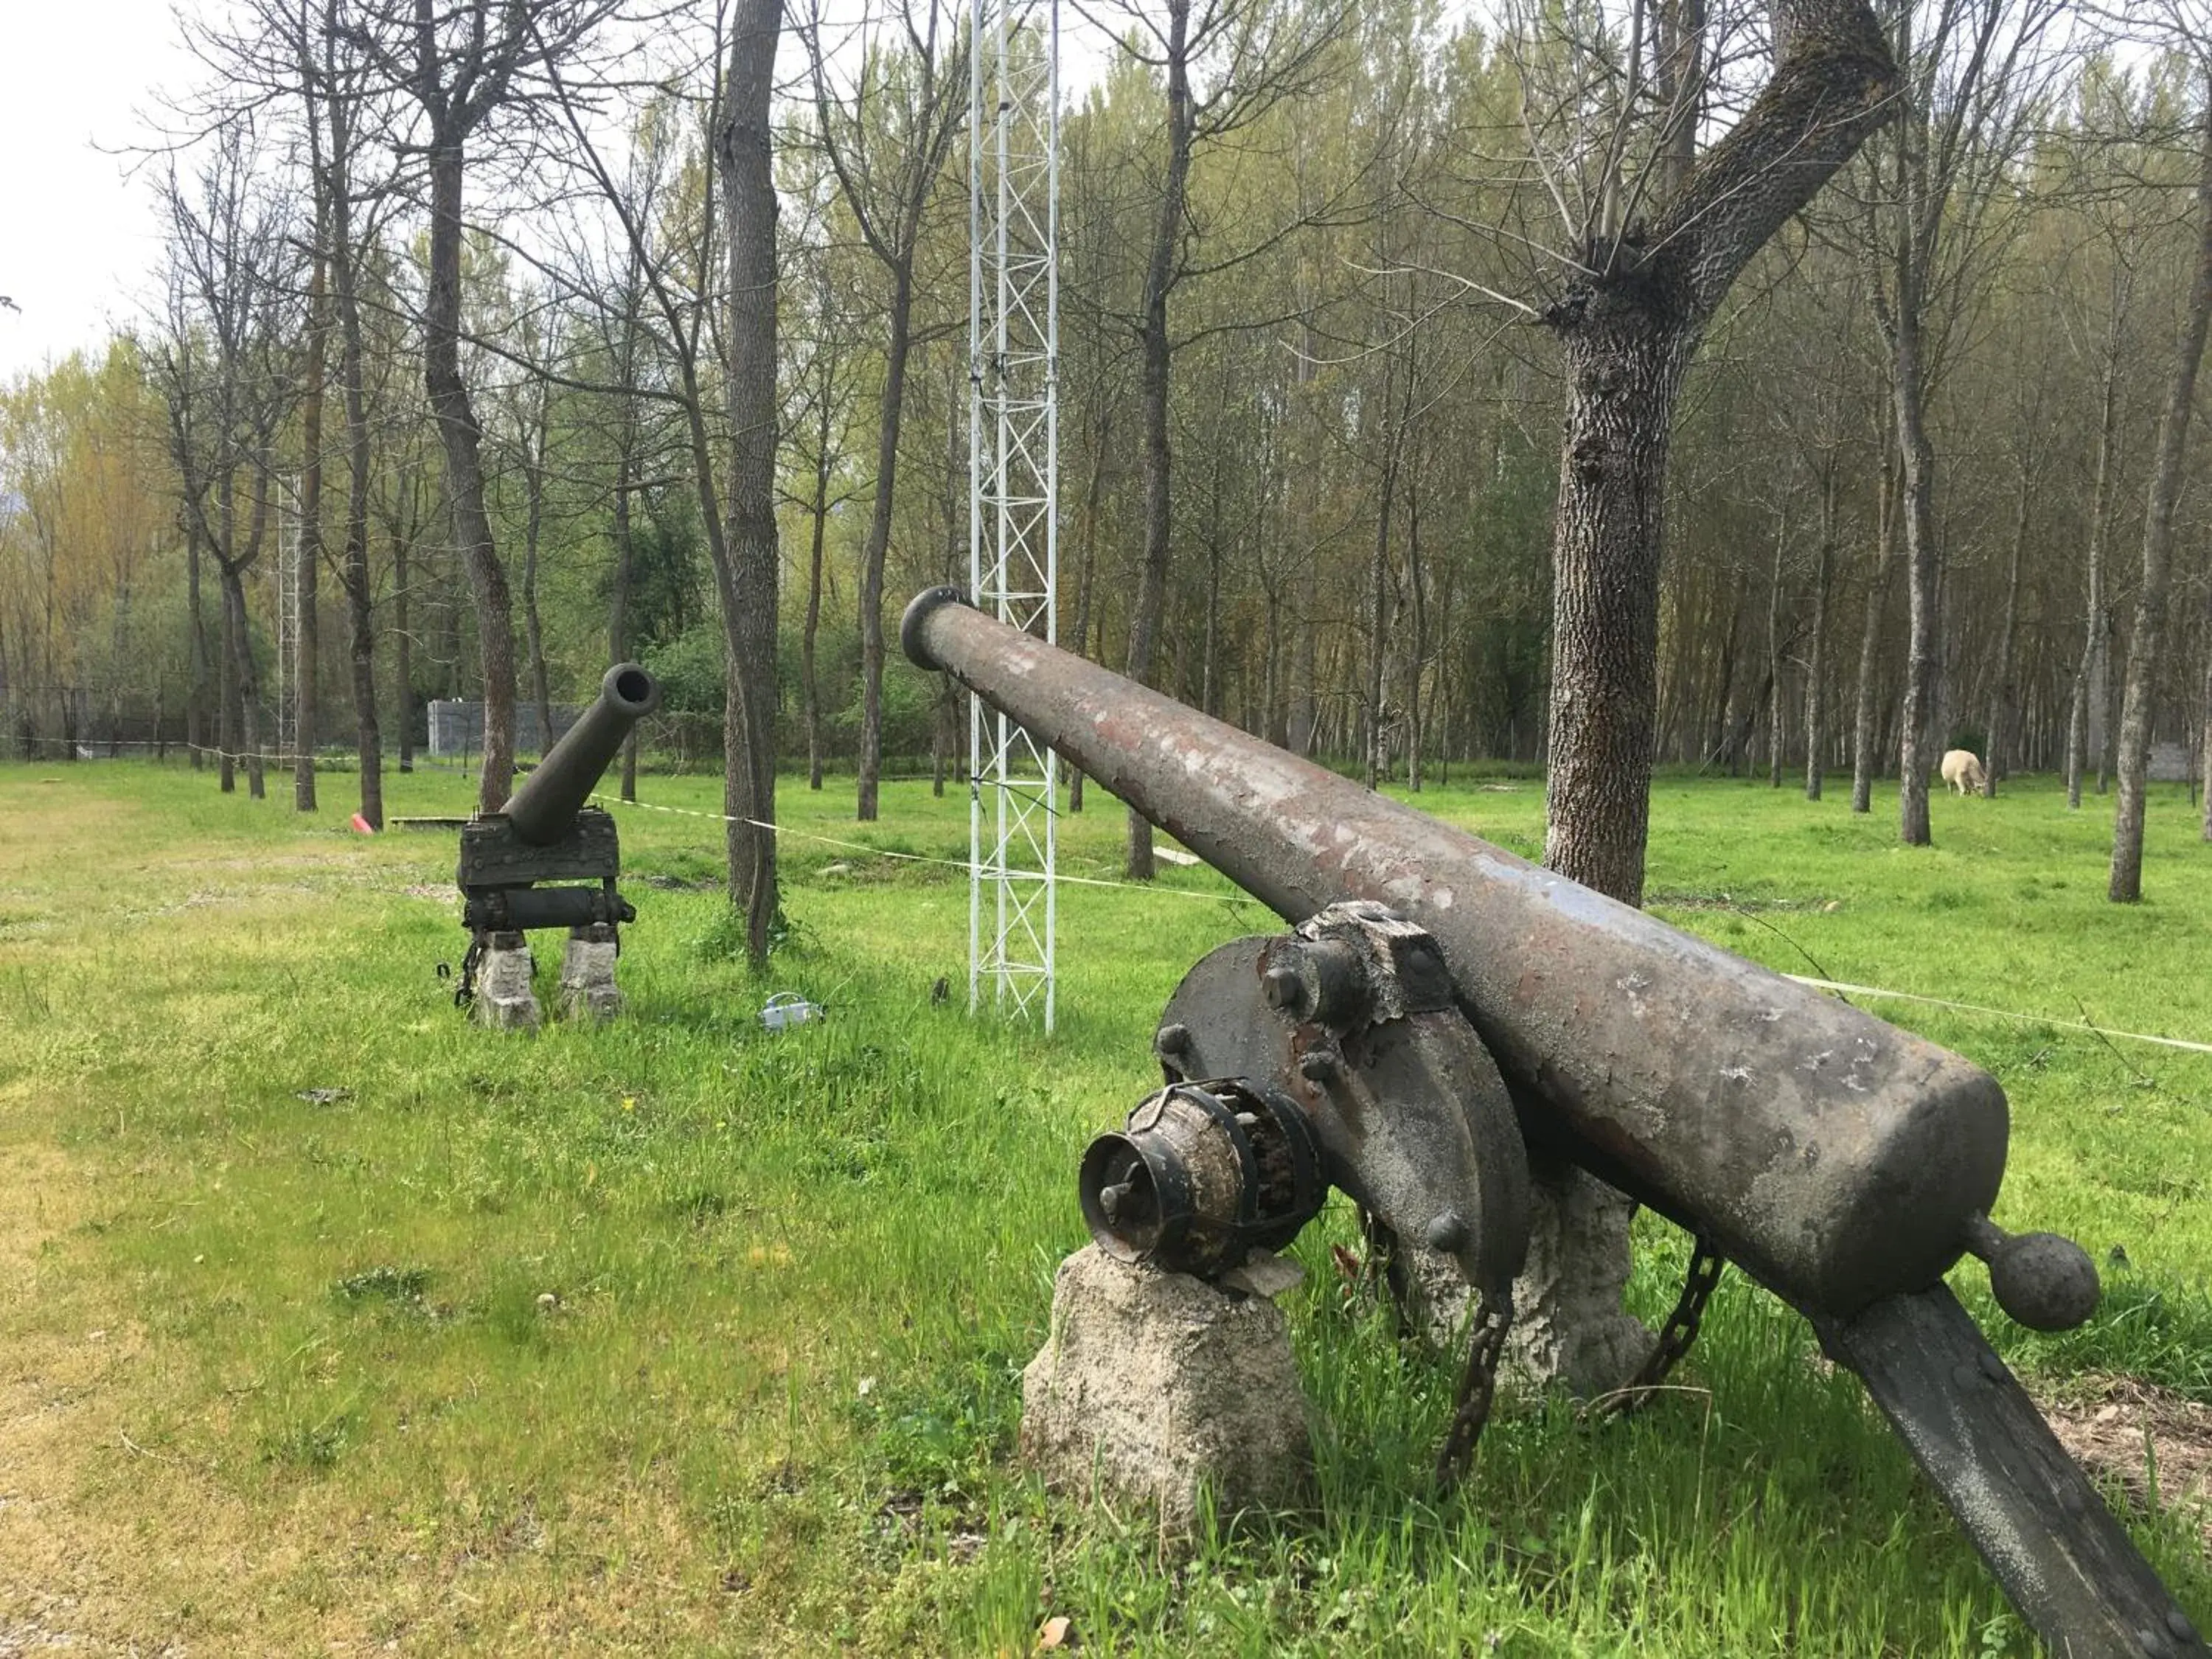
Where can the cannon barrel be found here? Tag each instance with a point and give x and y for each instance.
(1837, 1159)
(544, 809)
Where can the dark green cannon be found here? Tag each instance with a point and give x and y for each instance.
(1443, 1012)
(551, 859)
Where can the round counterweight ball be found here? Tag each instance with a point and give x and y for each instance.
(2045, 1281)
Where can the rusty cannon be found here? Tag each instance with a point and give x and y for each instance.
(552, 860)
(1443, 1014)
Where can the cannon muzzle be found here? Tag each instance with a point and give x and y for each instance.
(544, 809)
(1837, 1159)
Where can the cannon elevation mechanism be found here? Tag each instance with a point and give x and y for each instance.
(1444, 1015)
(551, 859)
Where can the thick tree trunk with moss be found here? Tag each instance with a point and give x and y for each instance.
(1624, 367)
(1628, 331)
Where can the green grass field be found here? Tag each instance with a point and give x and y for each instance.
(678, 1337)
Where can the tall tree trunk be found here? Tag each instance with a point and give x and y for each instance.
(1624, 371)
(625, 539)
(1866, 739)
(307, 551)
(1378, 615)
(2204, 739)
(748, 195)
(195, 651)
(354, 573)
(1089, 530)
(2003, 693)
(810, 690)
(403, 644)
(1916, 507)
(1816, 663)
(1416, 590)
(1082, 636)
(1628, 331)
(2146, 642)
(533, 633)
(2086, 723)
(1775, 726)
(1157, 362)
(463, 441)
(245, 686)
(879, 539)
(228, 740)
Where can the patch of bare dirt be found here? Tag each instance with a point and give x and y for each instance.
(2132, 1432)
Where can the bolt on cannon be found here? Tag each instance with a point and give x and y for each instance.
(551, 859)
(1443, 1012)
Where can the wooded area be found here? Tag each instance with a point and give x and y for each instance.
(574, 329)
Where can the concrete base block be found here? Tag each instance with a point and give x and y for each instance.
(1156, 1387)
(1569, 1326)
(587, 974)
(504, 999)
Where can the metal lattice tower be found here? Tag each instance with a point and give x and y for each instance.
(1013, 488)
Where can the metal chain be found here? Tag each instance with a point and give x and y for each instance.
(465, 991)
(1675, 1336)
(1385, 1266)
(1478, 1385)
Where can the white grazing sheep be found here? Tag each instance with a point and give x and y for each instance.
(1963, 772)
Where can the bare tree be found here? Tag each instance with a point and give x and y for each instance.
(221, 361)
(465, 63)
(2148, 640)
(887, 142)
(1250, 56)
(1975, 77)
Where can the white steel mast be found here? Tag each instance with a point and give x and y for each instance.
(1013, 488)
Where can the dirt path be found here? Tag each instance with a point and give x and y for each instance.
(58, 1361)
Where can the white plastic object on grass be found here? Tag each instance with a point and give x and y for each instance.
(788, 1008)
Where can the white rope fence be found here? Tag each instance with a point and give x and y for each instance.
(1840, 988)
(1843, 989)
(784, 831)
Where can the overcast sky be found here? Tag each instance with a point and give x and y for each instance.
(77, 237)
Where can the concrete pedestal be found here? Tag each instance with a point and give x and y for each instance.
(504, 999)
(1569, 1326)
(587, 974)
(1155, 1388)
